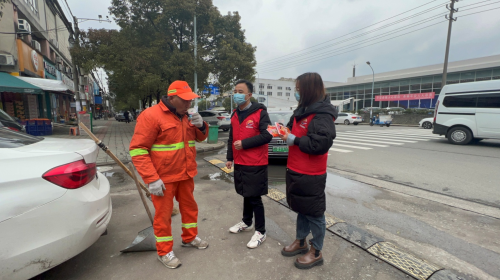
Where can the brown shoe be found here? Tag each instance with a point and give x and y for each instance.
(309, 260)
(295, 249)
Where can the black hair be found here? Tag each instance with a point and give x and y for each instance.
(246, 82)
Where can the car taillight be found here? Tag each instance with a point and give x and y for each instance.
(221, 118)
(11, 128)
(436, 111)
(354, 117)
(72, 175)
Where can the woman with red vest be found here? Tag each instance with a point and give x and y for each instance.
(247, 147)
(312, 132)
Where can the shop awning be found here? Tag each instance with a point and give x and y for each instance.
(9, 83)
(47, 84)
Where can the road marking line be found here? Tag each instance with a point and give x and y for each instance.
(404, 134)
(353, 147)
(370, 140)
(358, 143)
(340, 150)
(378, 138)
(419, 138)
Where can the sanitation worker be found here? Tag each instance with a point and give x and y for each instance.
(248, 148)
(163, 151)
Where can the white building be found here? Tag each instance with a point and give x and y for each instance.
(278, 94)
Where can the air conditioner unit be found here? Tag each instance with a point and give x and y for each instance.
(7, 60)
(59, 67)
(23, 26)
(55, 43)
(58, 60)
(36, 45)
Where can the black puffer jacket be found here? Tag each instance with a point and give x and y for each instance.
(251, 181)
(305, 194)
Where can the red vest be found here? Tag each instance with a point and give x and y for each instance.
(248, 128)
(301, 162)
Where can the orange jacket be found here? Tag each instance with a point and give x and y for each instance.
(163, 146)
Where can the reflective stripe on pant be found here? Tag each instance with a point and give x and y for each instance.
(183, 192)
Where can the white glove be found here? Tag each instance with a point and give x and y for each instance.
(157, 188)
(197, 120)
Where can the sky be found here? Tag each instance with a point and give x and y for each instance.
(285, 33)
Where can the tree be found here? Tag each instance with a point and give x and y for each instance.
(155, 46)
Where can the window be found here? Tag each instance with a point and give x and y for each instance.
(488, 100)
(462, 101)
(33, 5)
(287, 94)
(269, 87)
(280, 93)
(280, 87)
(483, 75)
(269, 93)
(261, 93)
(288, 88)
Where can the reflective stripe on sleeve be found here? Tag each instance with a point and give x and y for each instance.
(192, 143)
(164, 239)
(138, 152)
(192, 225)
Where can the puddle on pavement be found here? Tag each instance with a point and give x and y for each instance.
(118, 176)
(219, 176)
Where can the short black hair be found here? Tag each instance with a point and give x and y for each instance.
(246, 82)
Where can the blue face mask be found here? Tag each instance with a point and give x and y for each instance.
(239, 98)
(297, 96)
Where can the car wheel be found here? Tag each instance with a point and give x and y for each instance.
(388, 124)
(459, 135)
(355, 123)
(346, 122)
(225, 129)
(427, 125)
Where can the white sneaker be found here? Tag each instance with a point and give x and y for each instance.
(170, 260)
(257, 239)
(239, 227)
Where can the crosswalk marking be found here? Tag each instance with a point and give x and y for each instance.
(420, 138)
(406, 134)
(340, 150)
(359, 143)
(375, 137)
(352, 147)
(368, 140)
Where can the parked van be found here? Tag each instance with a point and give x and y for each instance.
(468, 112)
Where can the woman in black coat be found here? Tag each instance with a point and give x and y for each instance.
(312, 132)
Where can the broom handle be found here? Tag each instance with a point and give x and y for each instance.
(137, 184)
(107, 151)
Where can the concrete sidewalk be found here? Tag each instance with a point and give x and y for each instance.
(227, 257)
(117, 136)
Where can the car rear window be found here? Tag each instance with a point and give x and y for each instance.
(282, 118)
(14, 139)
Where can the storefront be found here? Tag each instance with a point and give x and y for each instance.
(21, 99)
(31, 62)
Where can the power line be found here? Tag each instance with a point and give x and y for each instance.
(41, 31)
(359, 35)
(355, 30)
(432, 18)
(69, 8)
(475, 3)
(479, 6)
(277, 69)
(273, 70)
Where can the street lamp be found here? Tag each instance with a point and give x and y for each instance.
(373, 86)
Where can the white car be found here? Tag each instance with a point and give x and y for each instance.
(348, 118)
(426, 123)
(220, 118)
(53, 202)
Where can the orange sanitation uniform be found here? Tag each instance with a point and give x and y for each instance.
(163, 147)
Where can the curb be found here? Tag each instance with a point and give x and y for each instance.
(217, 146)
(377, 246)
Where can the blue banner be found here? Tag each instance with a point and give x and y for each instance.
(98, 99)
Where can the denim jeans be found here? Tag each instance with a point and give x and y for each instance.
(315, 225)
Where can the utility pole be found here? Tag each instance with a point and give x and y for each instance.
(451, 20)
(76, 74)
(195, 60)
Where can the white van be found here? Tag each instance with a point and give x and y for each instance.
(468, 112)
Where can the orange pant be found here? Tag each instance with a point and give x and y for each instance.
(183, 193)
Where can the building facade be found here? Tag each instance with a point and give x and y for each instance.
(398, 87)
(278, 93)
